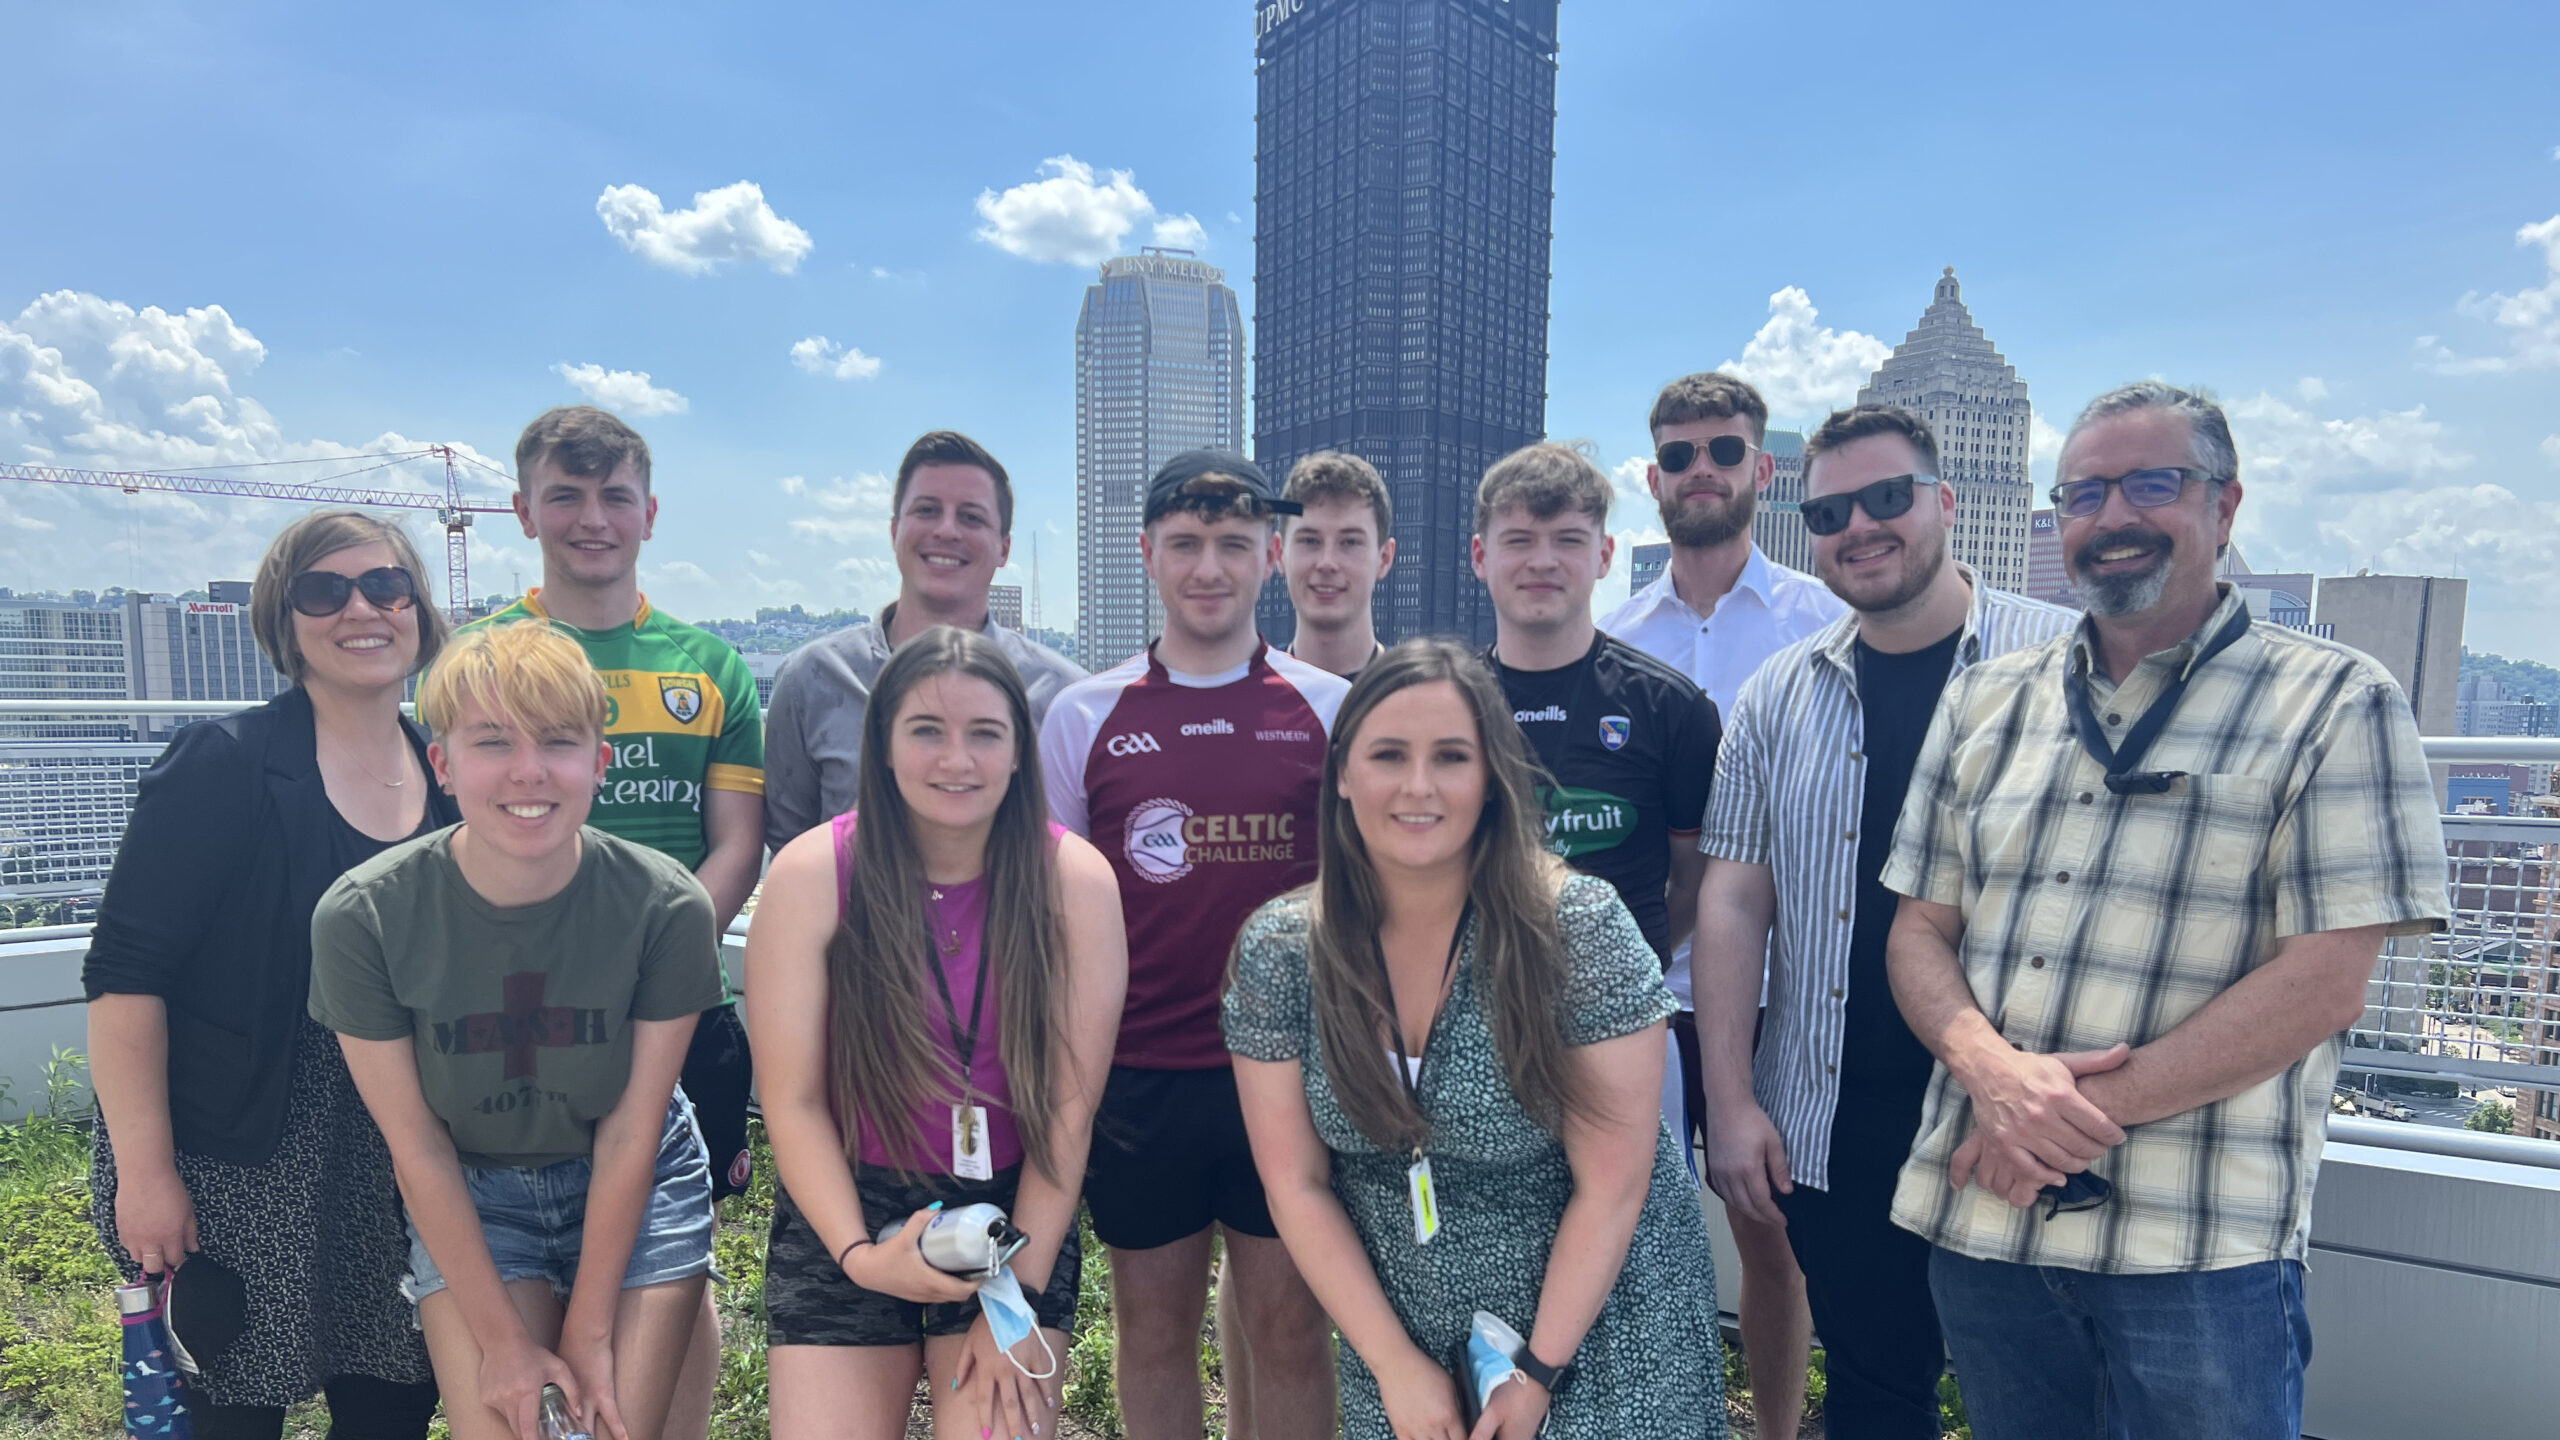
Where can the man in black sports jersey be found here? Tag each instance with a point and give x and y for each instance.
(1629, 744)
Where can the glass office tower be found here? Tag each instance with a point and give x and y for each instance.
(1404, 162)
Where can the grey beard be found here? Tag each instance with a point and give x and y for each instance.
(1691, 527)
(2116, 596)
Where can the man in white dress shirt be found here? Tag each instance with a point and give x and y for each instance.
(1720, 608)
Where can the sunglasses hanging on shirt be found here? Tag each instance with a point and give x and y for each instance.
(2122, 778)
(1883, 499)
(322, 593)
(1676, 456)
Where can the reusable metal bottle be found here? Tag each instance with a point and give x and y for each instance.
(973, 1241)
(155, 1393)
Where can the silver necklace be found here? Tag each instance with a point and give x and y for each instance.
(368, 770)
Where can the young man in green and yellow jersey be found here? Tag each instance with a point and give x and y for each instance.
(686, 775)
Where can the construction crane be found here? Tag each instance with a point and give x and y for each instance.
(451, 510)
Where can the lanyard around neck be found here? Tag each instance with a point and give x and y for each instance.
(965, 1044)
(2122, 778)
(1408, 1068)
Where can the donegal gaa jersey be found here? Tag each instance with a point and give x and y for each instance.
(1201, 792)
(1629, 746)
(682, 718)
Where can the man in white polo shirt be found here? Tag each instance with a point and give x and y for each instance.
(1720, 608)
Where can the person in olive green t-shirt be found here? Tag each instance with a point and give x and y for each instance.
(520, 1015)
(514, 996)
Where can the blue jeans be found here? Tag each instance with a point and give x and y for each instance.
(2044, 1353)
(534, 1220)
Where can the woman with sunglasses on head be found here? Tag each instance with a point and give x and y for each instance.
(1450, 1051)
(934, 988)
(231, 1131)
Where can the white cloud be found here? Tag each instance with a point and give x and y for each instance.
(626, 392)
(2044, 446)
(1803, 368)
(723, 225)
(2312, 389)
(2291, 453)
(2551, 448)
(850, 511)
(821, 356)
(2530, 318)
(1070, 216)
(92, 383)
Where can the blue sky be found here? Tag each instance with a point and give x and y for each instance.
(361, 226)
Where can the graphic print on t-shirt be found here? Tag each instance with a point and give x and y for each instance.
(680, 718)
(524, 1028)
(1203, 798)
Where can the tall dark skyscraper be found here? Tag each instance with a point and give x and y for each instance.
(1404, 164)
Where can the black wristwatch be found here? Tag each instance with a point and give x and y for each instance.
(1550, 1378)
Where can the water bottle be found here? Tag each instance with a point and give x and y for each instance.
(155, 1393)
(972, 1242)
(557, 1423)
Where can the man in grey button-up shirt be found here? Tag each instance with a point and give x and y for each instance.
(951, 526)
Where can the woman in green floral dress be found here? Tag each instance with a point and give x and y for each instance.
(1448, 1010)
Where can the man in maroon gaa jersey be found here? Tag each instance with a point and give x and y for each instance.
(1195, 768)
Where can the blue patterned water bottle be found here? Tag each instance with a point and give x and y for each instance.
(155, 1394)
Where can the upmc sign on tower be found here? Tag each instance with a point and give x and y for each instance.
(1404, 194)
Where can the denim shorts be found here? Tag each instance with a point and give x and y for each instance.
(535, 1219)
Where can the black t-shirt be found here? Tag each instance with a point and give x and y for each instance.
(1896, 696)
(1629, 745)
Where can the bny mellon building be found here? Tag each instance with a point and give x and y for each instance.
(1948, 372)
(1404, 164)
(1159, 370)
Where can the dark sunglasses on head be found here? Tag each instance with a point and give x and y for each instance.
(1678, 455)
(1884, 499)
(2148, 489)
(321, 593)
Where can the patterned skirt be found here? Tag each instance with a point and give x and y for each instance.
(315, 1234)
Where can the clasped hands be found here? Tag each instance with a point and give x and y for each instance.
(2033, 1126)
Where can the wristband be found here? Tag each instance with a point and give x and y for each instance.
(1550, 1378)
(849, 1247)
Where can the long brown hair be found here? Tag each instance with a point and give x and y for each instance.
(1519, 950)
(885, 1060)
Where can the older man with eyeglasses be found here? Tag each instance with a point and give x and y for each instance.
(2147, 869)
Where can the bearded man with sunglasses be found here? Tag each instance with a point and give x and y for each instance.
(2147, 867)
(1720, 608)
(1807, 1134)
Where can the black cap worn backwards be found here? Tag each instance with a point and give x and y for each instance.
(1168, 492)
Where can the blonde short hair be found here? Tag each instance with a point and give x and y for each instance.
(526, 673)
(305, 543)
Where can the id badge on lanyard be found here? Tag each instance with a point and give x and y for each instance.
(970, 1159)
(1426, 1201)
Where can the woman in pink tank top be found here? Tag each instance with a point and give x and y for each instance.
(934, 990)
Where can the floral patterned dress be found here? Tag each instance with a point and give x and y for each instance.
(1652, 1364)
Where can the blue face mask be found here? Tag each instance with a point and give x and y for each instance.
(1490, 1346)
(1010, 1320)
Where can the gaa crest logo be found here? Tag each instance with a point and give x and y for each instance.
(683, 696)
(1154, 843)
(1613, 731)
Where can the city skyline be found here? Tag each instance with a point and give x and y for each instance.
(781, 304)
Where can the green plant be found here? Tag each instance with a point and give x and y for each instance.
(2496, 1117)
(744, 1394)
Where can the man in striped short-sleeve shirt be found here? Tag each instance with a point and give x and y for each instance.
(2148, 867)
(1811, 1132)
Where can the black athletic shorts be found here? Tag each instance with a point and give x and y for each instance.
(809, 1300)
(1170, 1156)
(718, 1073)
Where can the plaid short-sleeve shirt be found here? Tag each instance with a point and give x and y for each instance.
(2092, 918)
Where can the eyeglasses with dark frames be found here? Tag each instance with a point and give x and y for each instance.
(2144, 489)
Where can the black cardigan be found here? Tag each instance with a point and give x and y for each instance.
(209, 907)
